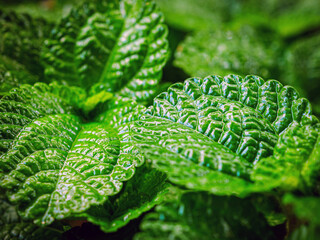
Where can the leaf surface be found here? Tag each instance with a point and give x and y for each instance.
(21, 38)
(203, 216)
(224, 52)
(207, 134)
(53, 166)
(114, 46)
(13, 228)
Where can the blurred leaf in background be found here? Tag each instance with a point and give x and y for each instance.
(223, 52)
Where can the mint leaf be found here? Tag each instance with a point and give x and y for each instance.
(118, 47)
(203, 216)
(224, 52)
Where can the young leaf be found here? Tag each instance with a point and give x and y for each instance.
(117, 46)
(223, 52)
(203, 216)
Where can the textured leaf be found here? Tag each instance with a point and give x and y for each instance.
(52, 165)
(207, 134)
(12, 228)
(115, 46)
(203, 216)
(225, 52)
(295, 162)
(145, 190)
(13, 76)
(21, 38)
(56, 168)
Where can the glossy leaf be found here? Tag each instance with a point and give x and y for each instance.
(223, 52)
(145, 190)
(295, 161)
(13, 228)
(203, 216)
(206, 134)
(114, 46)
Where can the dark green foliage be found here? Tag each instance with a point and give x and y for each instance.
(104, 150)
(21, 37)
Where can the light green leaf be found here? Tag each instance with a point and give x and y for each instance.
(224, 52)
(114, 46)
(203, 216)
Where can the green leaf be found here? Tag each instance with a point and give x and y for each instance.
(57, 167)
(203, 216)
(295, 161)
(145, 190)
(21, 38)
(207, 134)
(12, 74)
(305, 232)
(301, 67)
(52, 165)
(190, 15)
(13, 228)
(290, 18)
(306, 209)
(223, 52)
(114, 46)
